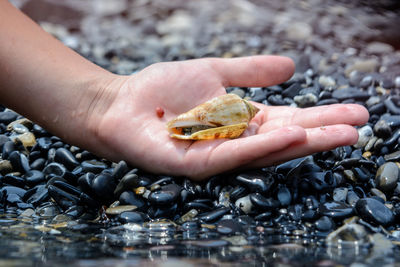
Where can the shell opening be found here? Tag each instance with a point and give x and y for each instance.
(190, 130)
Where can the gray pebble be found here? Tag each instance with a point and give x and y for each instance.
(364, 135)
(387, 176)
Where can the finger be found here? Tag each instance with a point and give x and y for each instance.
(318, 139)
(253, 71)
(276, 117)
(234, 153)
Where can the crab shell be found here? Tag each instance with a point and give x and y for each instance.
(228, 116)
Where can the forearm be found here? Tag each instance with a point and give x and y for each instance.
(44, 80)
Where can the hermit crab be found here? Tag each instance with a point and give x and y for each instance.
(225, 116)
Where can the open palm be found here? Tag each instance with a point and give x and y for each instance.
(131, 129)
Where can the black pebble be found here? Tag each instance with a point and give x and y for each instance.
(375, 212)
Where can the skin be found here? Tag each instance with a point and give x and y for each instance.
(115, 116)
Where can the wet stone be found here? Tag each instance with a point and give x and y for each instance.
(5, 167)
(19, 162)
(54, 169)
(387, 176)
(93, 166)
(66, 158)
(348, 93)
(44, 143)
(228, 227)
(132, 217)
(262, 203)
(364, 135)
(167, 195)
(340, 194)
(119, 209)
(120, 170)
(245, 204)
(130, 198)
(382, 129)
(214, 215)
(335, 210)
(128, 182)
(7, 116)
(324, 224)
(34, 177)
(395, 156)
(256, 181)
(373, 211)
(103, 186)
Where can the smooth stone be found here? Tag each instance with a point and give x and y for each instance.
(38, 164)
(340, 194)
(256, 181)
(276, 100)
(329, 101)
(349, 233)
(364, 134)
(284, 196)
(378, 193)
(19, 161)
(397, 82)
(54, 169)
(336, 210)
(352, 198)
(379, 48)
(93, 166)
(373, 211)
(228, 227)
(44, 143)
(366, 81)
(239, 92)
(85, 181)
(41, 195)
(128, 182)
(393, 139)
(292, 90)
(8, 148)
(391, 106)
(19, 128)
(9, 189)
(214, 215)
(66, 158)
(103, 186)
(395, 156)
(387, 176)
(63, 199)
(350, 92)
(244, 204)
(5, 167)
(362, 65)
(262, 203)
(13, 180)
(370, 145)
(132, 217)
(327, 82)
(3, 140)
(7, 116)
(27, 139)
(382, 129)
(257, 94)
(167, 195)
(324, 224)
(299, 31)
(295, 212)
(120, 170)
(130, 198)
(201, 207)
(307, 100)
(119, 209)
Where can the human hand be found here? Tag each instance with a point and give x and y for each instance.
(130, 129)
